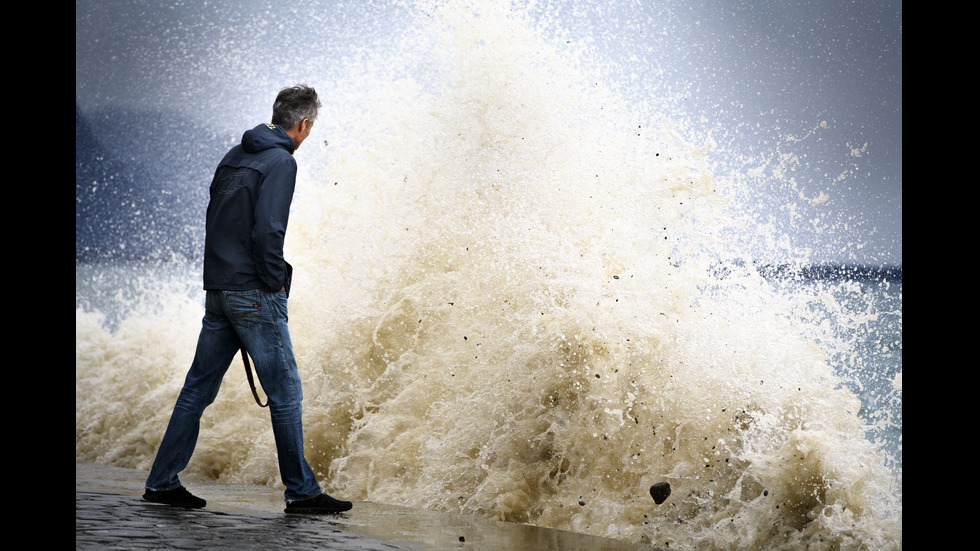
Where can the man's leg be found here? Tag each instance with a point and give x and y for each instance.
(216, 346)
(271, 349)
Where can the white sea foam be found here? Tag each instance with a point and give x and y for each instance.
(516, 297)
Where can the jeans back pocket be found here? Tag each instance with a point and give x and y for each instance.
(244, 308)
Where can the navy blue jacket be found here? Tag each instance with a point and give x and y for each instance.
(248, 211)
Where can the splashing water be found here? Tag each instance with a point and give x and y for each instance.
(524, 295)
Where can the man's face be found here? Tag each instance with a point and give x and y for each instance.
(305, 126)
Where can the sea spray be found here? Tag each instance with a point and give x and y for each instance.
(516, 297)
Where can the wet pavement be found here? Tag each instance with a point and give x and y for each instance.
(111, 514)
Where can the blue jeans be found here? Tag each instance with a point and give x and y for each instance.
(257, 320)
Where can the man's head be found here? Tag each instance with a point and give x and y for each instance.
(295, 109)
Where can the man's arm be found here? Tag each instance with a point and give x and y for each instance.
(271, 217)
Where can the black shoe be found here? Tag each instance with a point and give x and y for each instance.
(319, 505)
(178, 497)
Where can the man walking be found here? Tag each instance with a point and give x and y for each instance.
(247, 281)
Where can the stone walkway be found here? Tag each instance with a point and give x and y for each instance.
(111, 514)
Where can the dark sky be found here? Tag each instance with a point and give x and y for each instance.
(828, 73)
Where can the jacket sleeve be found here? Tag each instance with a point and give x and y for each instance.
(271, 217)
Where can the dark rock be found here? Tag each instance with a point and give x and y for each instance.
(659, 492)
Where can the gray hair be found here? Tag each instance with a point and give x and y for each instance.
(293, 104)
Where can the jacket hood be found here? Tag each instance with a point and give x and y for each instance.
(267, 136)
